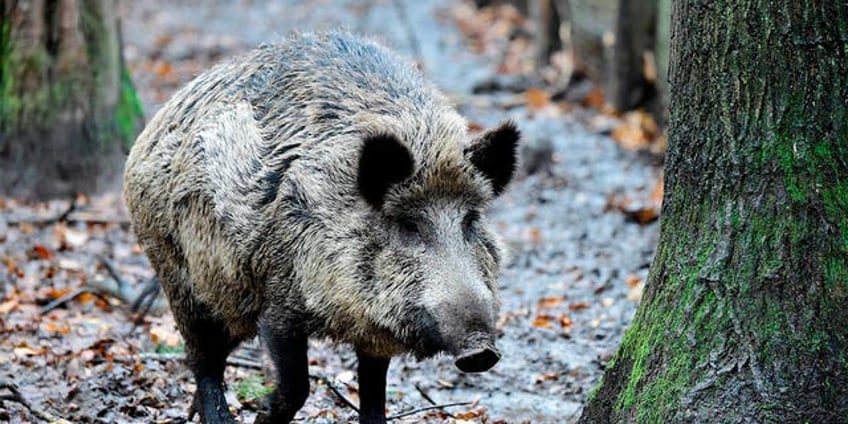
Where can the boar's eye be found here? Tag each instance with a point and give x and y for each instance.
(410, 227)
(468, 222)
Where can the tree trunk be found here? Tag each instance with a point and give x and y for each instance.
(68, 110)
(591, 21)
(635, 32)
(744, 318)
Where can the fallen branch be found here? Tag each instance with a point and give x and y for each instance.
(110, 268)
(427, 397)
(349, 403)
(16, 396)
(336, 391)
(71, 296)
(168, 357)
(427, 408)
(62, 217)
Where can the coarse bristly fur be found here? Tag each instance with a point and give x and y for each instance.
(319, 187)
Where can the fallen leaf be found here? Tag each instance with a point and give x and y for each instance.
(594, 99)
(632, 280)
(643, 215)
(543, 321)
(474, 128)
(54, 327)
(657, 193)
(637, 130)
(565, 321)
(547, 377)
(579, 306)
(163, 69)
(635, 293)
(549, 302)
(42, 252)
(468, 415)
(76, 238)
(54, 293)
(537, 98)
(8, 306)
(24, 351)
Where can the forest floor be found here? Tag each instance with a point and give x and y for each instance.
(580, 225)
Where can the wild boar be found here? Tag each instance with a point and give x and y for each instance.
(320, 187)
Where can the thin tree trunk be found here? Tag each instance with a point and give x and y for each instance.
(68, 110)
(744, 318)
(591, 21)
(635, 32)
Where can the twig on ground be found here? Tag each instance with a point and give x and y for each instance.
(336, 391)
(73, 295)
(16, 396)
(145, 300)
(113, 272)
(168, 357)
(427, 397)
(426, 408)
(62, 217)
(349, 403)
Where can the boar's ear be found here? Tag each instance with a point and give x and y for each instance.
(494, 154)
(384, 161)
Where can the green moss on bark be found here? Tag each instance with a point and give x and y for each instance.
(129, 113)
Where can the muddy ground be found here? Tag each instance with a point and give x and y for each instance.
(580, 230)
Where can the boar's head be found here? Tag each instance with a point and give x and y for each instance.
(432, 259)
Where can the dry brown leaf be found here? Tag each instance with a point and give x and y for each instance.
(549, 376)
(549, 302)
(468, 414)
(54, 293)
(54, 327)
(537, 98)
(474, 128)
(657, 193)
(163, 69)
(12, 267)
(594, 99)
(543, 321)
(637, 130)
(578, 306)
(42, 252)
(643, 215)
(565, 321)
(24, 351)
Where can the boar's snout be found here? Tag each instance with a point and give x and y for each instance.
(478, 360)
(478, 355)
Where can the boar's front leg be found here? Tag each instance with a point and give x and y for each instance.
(287, 345)
(372, 388)
(207, 346)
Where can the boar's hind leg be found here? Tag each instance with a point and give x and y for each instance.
(372, 388)
(287, 346)
(207, 345)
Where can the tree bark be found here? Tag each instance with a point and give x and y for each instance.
(68, 110)
(744, 317)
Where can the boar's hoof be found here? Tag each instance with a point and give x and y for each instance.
(477, 360)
